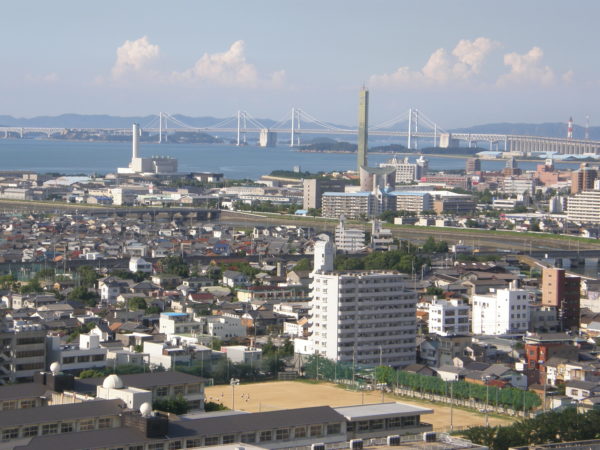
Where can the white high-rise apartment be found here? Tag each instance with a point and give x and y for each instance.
(368, 317)
(505, 311)
(449, 317)
(349, 240)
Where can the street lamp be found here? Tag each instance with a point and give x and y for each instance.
(233, 382)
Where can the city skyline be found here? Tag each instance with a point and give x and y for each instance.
(145, 57)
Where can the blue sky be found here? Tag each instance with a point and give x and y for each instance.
(460, 62)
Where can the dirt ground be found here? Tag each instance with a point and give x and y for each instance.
(294, 394)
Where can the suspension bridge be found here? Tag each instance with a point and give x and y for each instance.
(413, 126)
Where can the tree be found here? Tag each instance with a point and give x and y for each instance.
(303, 264)
(174, 265)
(176, 405)
(80, 293)
(137, 303)
(87, 276)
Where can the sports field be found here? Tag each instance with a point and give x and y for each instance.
(295, 394)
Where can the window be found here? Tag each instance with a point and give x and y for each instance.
(282, 434)
(50, 428)
(98, 358)
(10, 433)
(316, 430)
(27, 404)
(157, 446)
(363, 425)
(30, 431)
(136, 447)
(229, 439)
(176, 445)
(68, 360)
(248, 438)
(300, 432)
(162, 391)
(376, 424)
(266, 436)
(191, 443)
(86, 425)
(104, 422)
(409, 421)
(66, 427)
(193, 389)
(393, 422)
(334, 428)
(9, 404)
(211, 440)
(178, 390)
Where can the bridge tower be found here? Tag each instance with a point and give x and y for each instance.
(413, 128)
(294, 137)
(241, 128)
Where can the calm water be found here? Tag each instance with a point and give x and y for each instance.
(235, 162)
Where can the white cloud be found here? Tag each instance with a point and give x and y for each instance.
(227, 68)
(462, 64)
(527, 68)
(134, 56)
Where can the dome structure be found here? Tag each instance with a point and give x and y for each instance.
(55, 368)
(112, 382)
(146, 409)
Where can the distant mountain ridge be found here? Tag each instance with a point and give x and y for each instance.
(557, 129)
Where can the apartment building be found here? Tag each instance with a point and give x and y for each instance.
(564, 294)
(349, 240)
(412, 201)
(353, 205)
(405, 171)
(22, 350)
(449, 317)
(505, 311)
(368, 317)
(584, 207)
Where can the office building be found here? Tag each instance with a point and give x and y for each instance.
(368, 317)
(505, 311)
(563, 293)
(454, 204)
(583, 178)
(473, 165)
(314, 188)
(449, 317)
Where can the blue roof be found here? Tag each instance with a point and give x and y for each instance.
(174, 314)
(348, 194)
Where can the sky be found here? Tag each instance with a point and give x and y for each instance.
(459, 62)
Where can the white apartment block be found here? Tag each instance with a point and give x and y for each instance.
(449, 317)
(414, 201)
(584, 207)
(349, 240)
(405, 171)
(365, 317)
(353, 205)
(505, 311)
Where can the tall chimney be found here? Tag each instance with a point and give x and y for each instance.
(363, 128)
(135, 142)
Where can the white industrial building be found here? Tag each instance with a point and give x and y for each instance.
(87, 354)
(155, 165)
(368, 317)
(449, 317)
(505, 311)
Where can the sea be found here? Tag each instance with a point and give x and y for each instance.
(244, 162)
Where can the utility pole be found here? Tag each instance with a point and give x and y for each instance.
(451, 406)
